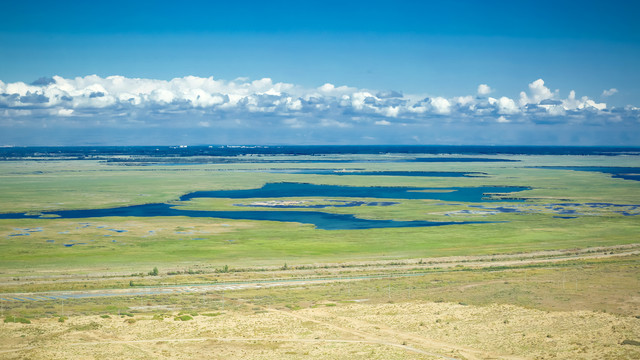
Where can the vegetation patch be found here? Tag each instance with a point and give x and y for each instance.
(630, 342)
(16, 319)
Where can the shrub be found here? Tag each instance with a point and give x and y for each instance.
(13, 319)
(630, 342)
(183, 318)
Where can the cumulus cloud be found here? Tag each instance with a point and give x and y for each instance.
(537, 93)
(208, 103)
(484, 89)
(609, 92)
(505, 105)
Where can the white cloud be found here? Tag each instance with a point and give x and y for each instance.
(441, 105)
(484, 89)
(592, 104)
(391, 111)
(464, 100)
(537, 93)
(507, 106)
(607, 93)
(196, 102)
(65, 112)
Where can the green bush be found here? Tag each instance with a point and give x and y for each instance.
(225, 269)
(183, 318)
(13, 319)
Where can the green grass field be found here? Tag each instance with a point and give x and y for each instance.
(32, 186)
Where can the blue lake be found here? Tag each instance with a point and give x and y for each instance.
(285, 189)
(627, 173)
(322, 220)
(350, 172)
(320, 160)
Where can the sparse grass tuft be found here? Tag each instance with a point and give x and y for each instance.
(183, 318)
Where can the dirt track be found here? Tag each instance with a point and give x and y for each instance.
(380, 270)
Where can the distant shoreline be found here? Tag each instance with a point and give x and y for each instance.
(83, 152)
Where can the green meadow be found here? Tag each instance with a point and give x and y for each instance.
(138, 244)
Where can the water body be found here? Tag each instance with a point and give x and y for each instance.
(321, 220)
(627, 173)
(331, 203)
(153, 161)
(286, 189)
(374, 173)
(84, 152)
(566, 208)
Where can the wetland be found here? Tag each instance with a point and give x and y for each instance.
(117, 240)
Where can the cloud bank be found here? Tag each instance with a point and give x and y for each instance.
(220, 108)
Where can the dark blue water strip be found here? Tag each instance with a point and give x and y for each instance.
(322, 220)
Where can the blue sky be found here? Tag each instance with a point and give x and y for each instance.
(432, 56)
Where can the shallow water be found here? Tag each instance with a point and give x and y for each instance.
(279, 190)
(373, 173)
(627, 173)
(321, 220)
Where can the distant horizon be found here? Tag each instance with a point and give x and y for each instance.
(229, 151)
(323, 145)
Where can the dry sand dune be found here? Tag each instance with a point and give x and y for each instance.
(411, 330)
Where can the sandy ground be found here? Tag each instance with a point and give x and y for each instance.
(412, 330)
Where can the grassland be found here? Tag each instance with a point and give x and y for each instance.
(493, 280)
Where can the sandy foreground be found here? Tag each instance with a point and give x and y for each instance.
(412, 330)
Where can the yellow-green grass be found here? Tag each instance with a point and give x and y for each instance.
(181, 241)
(606, 285)
(40, 186)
